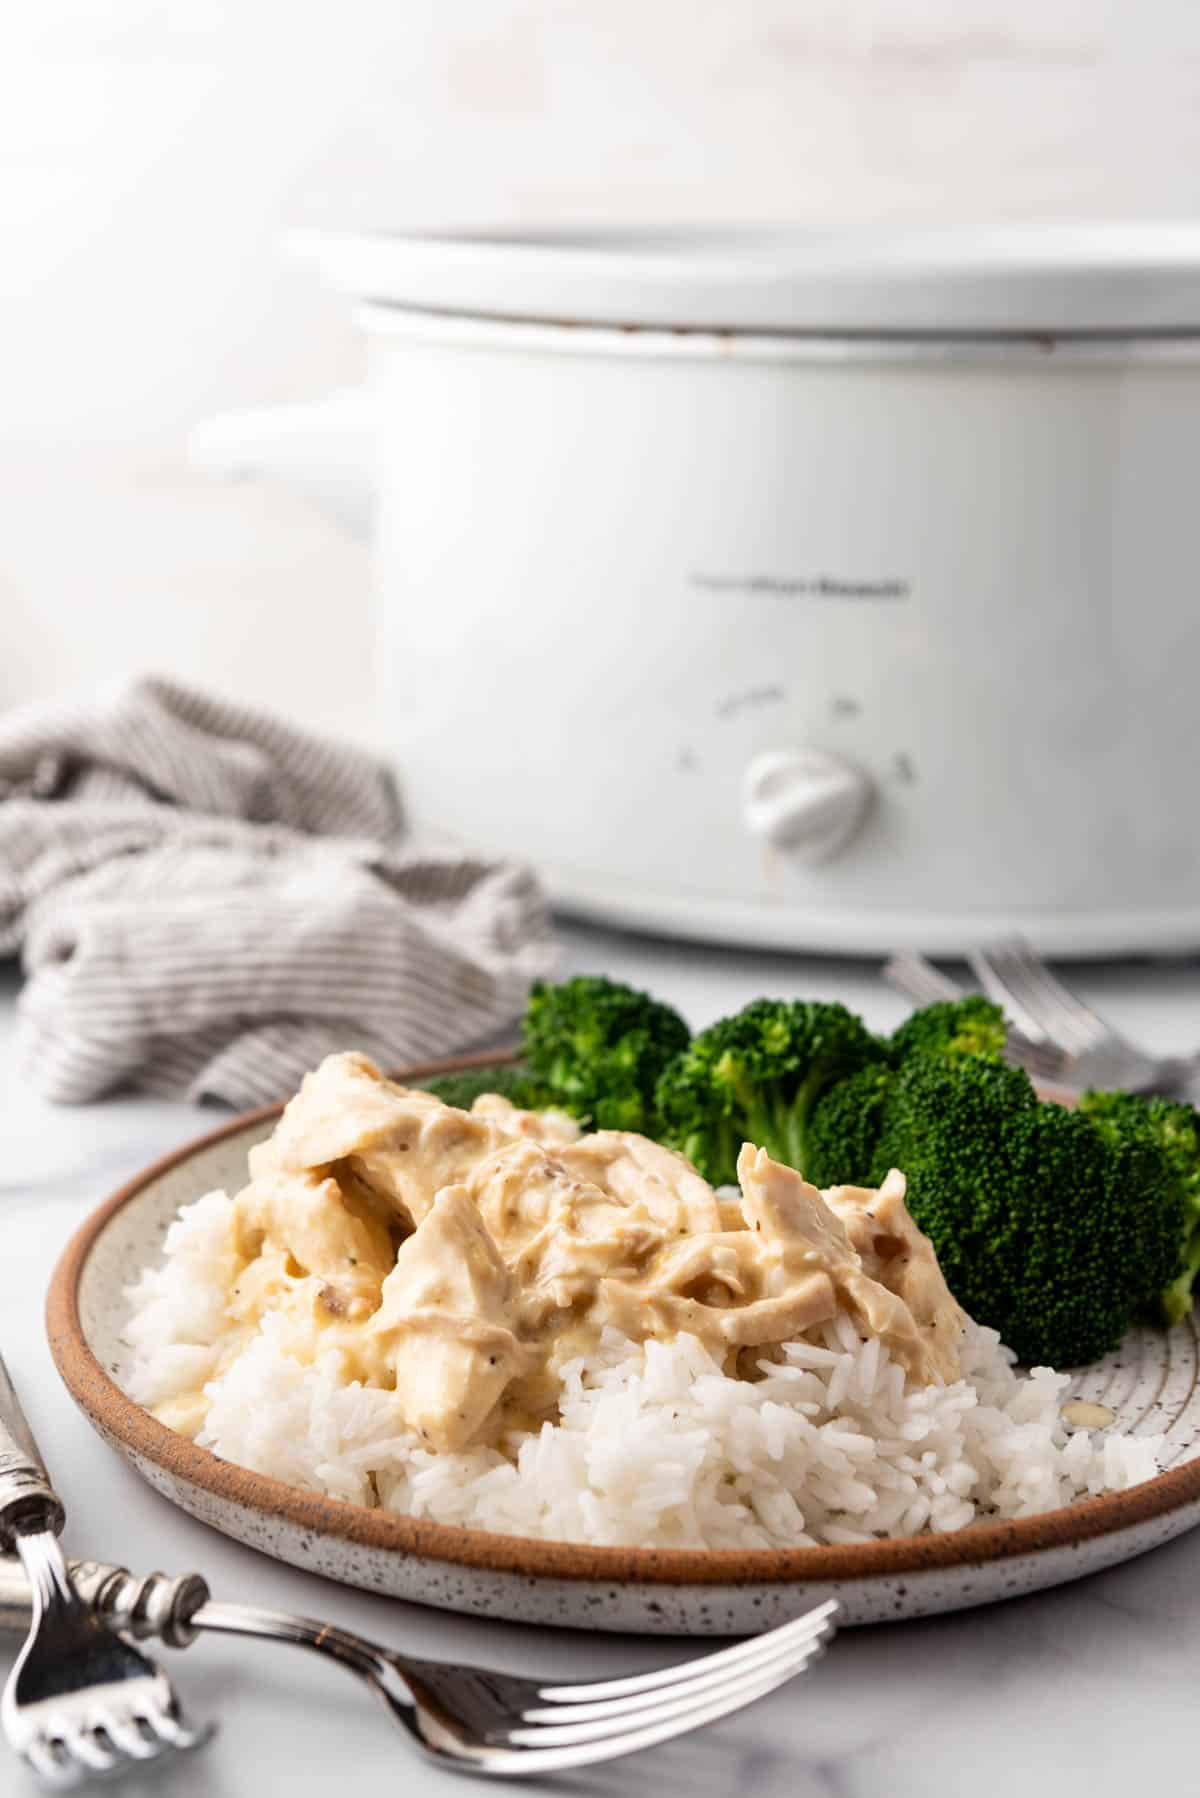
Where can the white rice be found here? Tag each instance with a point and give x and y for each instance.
(655, 1446)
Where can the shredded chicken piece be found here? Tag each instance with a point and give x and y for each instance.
(693, 1288)
(445, 1326)
(319, 1230)
(803, 1231)
(542, 1126)
(522, 1187)
(403, 1145)
(901, 1257)
(632, 1168)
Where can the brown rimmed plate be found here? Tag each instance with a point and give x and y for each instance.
(1151, 1384)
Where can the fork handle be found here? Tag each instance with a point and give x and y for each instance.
(156, 1606)
(27, 1499)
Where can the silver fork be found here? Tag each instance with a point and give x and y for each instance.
(1052, 1033)
(484, 1722)
(471, 1717)
(79, 1700)
(1016, 978)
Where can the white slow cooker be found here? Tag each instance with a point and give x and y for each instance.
(820, 592)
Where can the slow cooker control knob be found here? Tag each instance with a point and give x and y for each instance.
(805, 801)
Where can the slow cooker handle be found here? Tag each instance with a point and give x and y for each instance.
(323, 450)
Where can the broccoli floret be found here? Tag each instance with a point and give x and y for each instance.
(757, 1077)
(513, 1083)
(1174, 1128)
(598, 1048)
(1052, 1231)
(844, 1129)
(955, 1027)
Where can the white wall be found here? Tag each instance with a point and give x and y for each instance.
(150, 157)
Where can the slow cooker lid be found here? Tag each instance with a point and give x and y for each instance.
(1005, 279)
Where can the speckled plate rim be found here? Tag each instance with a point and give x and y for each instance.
(117, 1416)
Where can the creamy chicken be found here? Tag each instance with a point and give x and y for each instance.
(461, 1258)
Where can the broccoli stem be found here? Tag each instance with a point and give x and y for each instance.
(781, 1125)
(1177, 1297)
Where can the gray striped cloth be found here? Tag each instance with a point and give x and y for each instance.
(207, 901)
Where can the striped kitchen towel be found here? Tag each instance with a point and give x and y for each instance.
(208, 900)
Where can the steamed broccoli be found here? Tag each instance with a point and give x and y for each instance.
(513, 1083)
(1174, 1129)
(1050, 1230)
(956, 1027)
(598, 1048)
(758, 1077)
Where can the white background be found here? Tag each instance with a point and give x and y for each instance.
(150, 158)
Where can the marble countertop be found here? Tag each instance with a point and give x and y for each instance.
(1089, 1688)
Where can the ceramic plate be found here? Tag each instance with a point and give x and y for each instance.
(1151, 1385)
